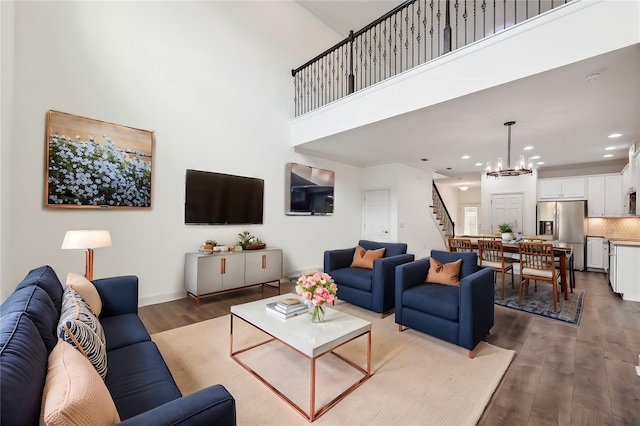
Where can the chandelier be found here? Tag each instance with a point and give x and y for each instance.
(517, 171)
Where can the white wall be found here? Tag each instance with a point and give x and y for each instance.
(527, 185)
(7, 74)
(410, 219)
(212, 80)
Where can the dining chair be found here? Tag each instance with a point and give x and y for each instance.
(491, 255)
(537, 263)
(460, 245)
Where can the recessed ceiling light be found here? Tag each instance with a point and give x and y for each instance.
(540, 163)
(464, 157)
(479, 164)
(449, 168)
(610, 148)
(424, 159)
(528, 148)
(615, 135)
(608, 155)
(535, 157)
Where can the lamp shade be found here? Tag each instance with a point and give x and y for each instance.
(86, 239)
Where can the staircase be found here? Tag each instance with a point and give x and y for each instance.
(441, 216)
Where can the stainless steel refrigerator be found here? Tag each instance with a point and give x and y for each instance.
(565, 221)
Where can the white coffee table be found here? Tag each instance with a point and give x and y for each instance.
(310, 340)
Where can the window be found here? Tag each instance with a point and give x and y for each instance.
(470, 220)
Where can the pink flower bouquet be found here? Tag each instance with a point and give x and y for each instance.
(316, 288)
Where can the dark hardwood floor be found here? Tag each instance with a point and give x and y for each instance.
(561, 375)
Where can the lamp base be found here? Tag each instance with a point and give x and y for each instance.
(88, 268)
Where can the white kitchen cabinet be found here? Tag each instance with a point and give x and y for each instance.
(613, 200)
(595, 196)
(627, 270)
(604, 196)
(562, 188)
(636, 176)
(595, 248)
(207, 274)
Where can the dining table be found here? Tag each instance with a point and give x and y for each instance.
(561, 250)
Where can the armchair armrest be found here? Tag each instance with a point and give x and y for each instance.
(409, 275)
(383, 280)
(210, 406)
(337, 259)
(476, 307)
(119, 295)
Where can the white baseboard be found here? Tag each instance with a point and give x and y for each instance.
(293, 275)
(161, 298)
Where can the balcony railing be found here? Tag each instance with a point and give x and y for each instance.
(415, 32)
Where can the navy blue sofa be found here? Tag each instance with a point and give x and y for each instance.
(461, 315)
(371, 289)
(138, 379)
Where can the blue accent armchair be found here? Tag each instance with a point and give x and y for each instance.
(461, 315)
(371, 289)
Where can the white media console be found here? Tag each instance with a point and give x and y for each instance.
(208, 274)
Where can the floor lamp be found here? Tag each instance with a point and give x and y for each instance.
(87, 240)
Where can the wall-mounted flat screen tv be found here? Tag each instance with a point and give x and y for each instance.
(221, 199)
(309, 190)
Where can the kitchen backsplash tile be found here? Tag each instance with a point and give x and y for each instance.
(627, 227)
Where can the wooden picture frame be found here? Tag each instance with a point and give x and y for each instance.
(95, 164)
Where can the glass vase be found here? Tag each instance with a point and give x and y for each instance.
(317, 312)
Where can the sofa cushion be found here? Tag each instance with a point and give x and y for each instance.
(80, 327)
(359, 278)
(123, 330)
(391, 249)
(86, 290)
(363, 258)
(439, 300)
(469, 260)
(45, 278)
(23, 368)
(37, 304)
(139, 380)
(74, 393)
(444, 273)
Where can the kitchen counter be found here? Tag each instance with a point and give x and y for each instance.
(625, 242)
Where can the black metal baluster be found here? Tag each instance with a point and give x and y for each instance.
(456, 7)
(465, 15)
(406, 39)
(430, 30)
(418, 39)
(504, 14)
(494, 16)
(438, 15)
(413, 28)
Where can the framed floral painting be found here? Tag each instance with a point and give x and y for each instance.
(95, 164)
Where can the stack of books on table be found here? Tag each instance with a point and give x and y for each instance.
(287, 308)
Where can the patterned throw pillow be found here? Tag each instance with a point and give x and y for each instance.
(74, 394)
(80, 327)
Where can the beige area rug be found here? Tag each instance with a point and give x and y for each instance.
(417, 379)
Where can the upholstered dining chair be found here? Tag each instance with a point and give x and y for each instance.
(537, 263)
(491, 255)
(460, 245)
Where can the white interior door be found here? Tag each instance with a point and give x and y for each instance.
(507, 208)
(469, 222)
(376, 215)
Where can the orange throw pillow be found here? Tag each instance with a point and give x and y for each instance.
(364, 258)
(446, 273)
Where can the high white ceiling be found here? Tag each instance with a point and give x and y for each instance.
(565, 118)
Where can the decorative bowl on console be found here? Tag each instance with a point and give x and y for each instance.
(254, 246)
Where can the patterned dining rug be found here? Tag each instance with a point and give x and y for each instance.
(417, 379)
(540, 302)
